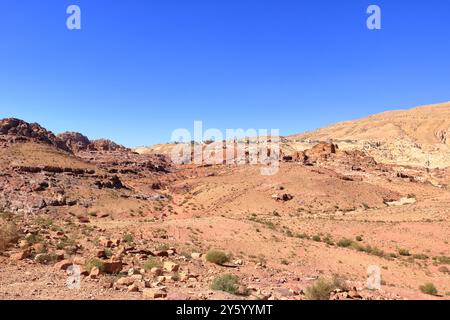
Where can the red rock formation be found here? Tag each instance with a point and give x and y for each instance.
(19, 128)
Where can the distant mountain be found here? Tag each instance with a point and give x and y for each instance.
(424, 125)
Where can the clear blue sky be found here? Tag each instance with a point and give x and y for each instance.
(139, 69)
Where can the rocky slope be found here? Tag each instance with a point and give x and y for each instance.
(135, 226)
(418, 136)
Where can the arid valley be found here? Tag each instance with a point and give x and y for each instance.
(84, 219)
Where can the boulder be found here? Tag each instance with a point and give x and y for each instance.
(113, 266)
(171, 266)
(154, 293)
(63, 265)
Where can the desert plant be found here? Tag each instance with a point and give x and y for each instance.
(317, 238)
(152, 263)
(345, 243)
(442, 260)
(45, 258)
(64, 243)
(108, 253)
(187, 255)
(128, 238)
(95, 263)
(227, 283)
(420, 256)
(217, 257)
(429, 288)
(301, 236)
(322, 288)
(8, 235)
(359, 238)
(43, 222)
(163, 247)
(404, 252)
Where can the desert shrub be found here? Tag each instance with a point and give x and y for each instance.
(64, 243)
(359, 238)
(163, 247)
(108, 253)
(268, 224)
(152, 263)
(8, 235)
(187, 255)
(322, 288)
(345, 243)
(374, 251)
(317, 238)
(217, 257)
(285, 262)
(34, 238)
(95, 263)
(358, 247)
(420, 256)
(128, 238)
(43, 222)
(228, 283)
(289, 233)
(301, 236)
(442, 260)
(45, 258)
(404, 252)
(429, 288)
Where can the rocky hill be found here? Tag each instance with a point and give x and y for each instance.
(418, 136)
(15, 129)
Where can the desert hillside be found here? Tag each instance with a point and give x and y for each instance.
(137, 226)
(418, 136)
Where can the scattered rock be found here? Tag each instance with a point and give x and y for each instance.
(63, 265)
(154, 293)
(21, 255)
(171, 266)
(112, 267)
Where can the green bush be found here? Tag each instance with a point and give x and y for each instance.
(359, 238)
(429, 288)
(227, 283)
(43, 222)
(301, 236)
(128, 238)
(45, 258)
(217, 257)
(94, 263)
(163, 247)
(108, 253)
(187, 255)
(317, 238)
(322, 288)
(345, 243)
(442, 260)
(152, 263)
(404, 252)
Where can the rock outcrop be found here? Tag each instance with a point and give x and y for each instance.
(18, 128)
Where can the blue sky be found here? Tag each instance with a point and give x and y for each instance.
(138, 69)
